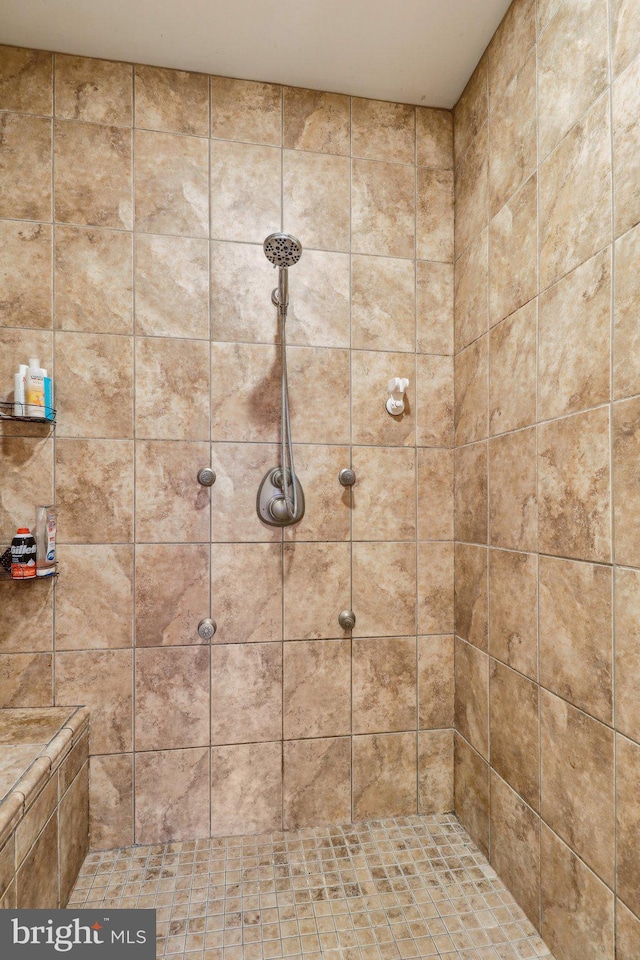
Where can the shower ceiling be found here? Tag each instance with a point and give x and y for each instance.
(409, 51)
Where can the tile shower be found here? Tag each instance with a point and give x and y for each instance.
(134, 205)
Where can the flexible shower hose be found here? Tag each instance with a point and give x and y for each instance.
(287, 445)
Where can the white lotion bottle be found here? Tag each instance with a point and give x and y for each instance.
(19, 391)
(34, 389)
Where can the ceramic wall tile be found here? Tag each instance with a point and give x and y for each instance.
(96, 91)
(435, 587)
(246, 592)
(172, 287)
(572, 68)
(111, 801)
(434, 215)
(316, 121)
(575, 196)
(577, 910)
(172, 100)
(92, 174)
(627, 822)
(171, 184)
(626, 337)
(25, 167)
(435, 401)
(515, 846)
(472, 292)
(371, 517)
(472, 696)
(383, 307)
(471, 493)
(472, 192)
(512, 140)
(94, 385)
(435, 296)
(370, 374)
(435, 494)
(510, 45)
(26, 274)
(89, 510)
(172, 593)
(315, 200)
(576, 634)
(471, 369)
(94, 602)
(245, 191)
(435, 771)
(384, 589)
(626, 137)
(26, 80)
(245, 110)
(574, 322)
(471, 597)
(513, 505)
(512, 374)
(577, 782)
(172, 795)
(383, 208)
(328, 510)
(317, 689)
(471, 791)
(472, 109)
(100, 680)
(514, 702)
(383, 775)
(384, 685)
(316, 782)
(574, 486)
(93, 280)
(627, 599)
(164, 409)
(316, 589)
(319, 300)
(246, 788)
(172, 697)
(435, 682)
(625, 21)
(171, 506)
(512, 258)
(246, 692)
(382, 130)
(626, 441)
(434, 138)
(513, 596)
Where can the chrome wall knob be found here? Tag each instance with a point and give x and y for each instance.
(206, 477)
(207, 628)
(347, 477)
(347, 619)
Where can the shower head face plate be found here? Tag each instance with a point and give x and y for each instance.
(282, 250)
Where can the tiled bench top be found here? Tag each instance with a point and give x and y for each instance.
(33, 741)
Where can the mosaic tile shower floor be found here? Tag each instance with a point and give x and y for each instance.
(394, 888)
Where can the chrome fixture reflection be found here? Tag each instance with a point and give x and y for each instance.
(206, 477)
(347, 477)
(280, 496)
(347, 619)
(207, 628)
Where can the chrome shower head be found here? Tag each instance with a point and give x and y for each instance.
(282, 249)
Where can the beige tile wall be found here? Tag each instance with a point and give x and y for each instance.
(547, 429)
(134, 204)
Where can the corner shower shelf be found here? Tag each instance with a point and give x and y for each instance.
(7, 578)
(7, 413)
